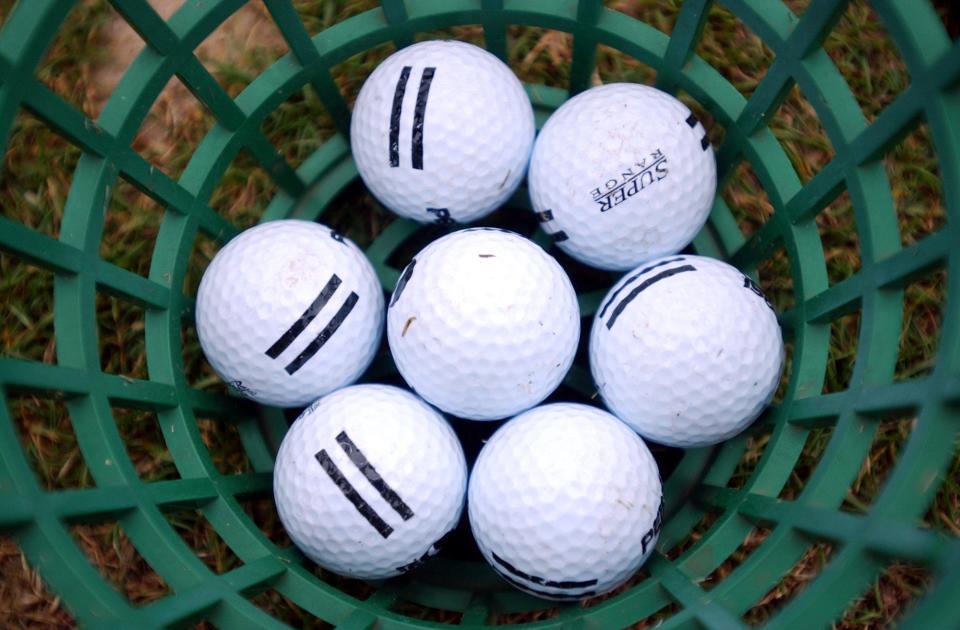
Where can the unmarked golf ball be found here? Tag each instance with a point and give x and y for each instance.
(483, 323)
(288, 311)
(565, 501)
(368, 480)
(442, 131)
(686, 350)
(620, 174)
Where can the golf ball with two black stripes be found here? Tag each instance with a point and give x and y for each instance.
(565, 502)
(368, 480)
(289, 311)
(686, 350)
(442, 132)
(620, 174)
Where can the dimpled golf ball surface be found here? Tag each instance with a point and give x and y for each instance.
(686, 350)
(368, 480)
(288, 311)
(564, 501)
(620, 174)
(442, 131)
(483, 324)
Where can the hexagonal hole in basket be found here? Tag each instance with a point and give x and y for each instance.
(512, 618)
(888, 442)
(924, 302)
(746, 198)
(540, 55)
(172, 129)
(145, 444)
(785, 375)
(242, 47)
(244, 191)
(888, 598)
(813, 448)
(36, 175)
(350, 73)
(319, 15)
(916, 185)
(675, 549)
(197, 532)
(615, 66)
(950, 17)
(298, 126)
(733, 49)
(808, 567)
(754, 538)
(131, 224)
(753, 448)
(26, 314)
(660, 14)
(49, 440)
(943, 515)
(844, 333)
(776, 280)
(866, 56)
(77, 52)
(120, 326)
(263, 512)
(418, 611)
(797, 126)
(35, 605)
(196, 369)
(284, 609)
(226, 449)
(840, 239)
(111, 552)
(357, 215)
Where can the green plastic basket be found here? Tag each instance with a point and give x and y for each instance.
(709, 517)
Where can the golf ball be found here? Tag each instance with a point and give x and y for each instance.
(483, 323)
(368, 480)
(565, 501)
(442, 132)
(621, 174)
(686, 350)
(288, 311)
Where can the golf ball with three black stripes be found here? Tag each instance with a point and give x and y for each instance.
(620, 174)
(565, 502)
(441, 132)
(288, 311)
(368, 480)
(686, 350)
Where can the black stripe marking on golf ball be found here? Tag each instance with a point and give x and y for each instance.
(559, 236)
(360, 461)
(634, 277)
(571, 597)
(324, 335)
(692, 121)
(395, 116)
(404, 279)
(304, 320)
(364, 508)
(640, 288)
(542, 581)
(546, 215)
(419, 113)
(704, 142)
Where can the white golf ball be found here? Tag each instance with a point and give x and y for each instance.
(368, 480)
(565, 501)
(442, 131)
(483, 324)
(686, 350)
(288, 311)
(620, 174)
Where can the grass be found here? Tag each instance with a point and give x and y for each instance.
(37, 175)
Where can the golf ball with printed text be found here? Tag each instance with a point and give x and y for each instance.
(441, 132)
(686, 350)
(483, 323)
(565, 502)
(368, 480)
(621, 174)
(288, 311)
